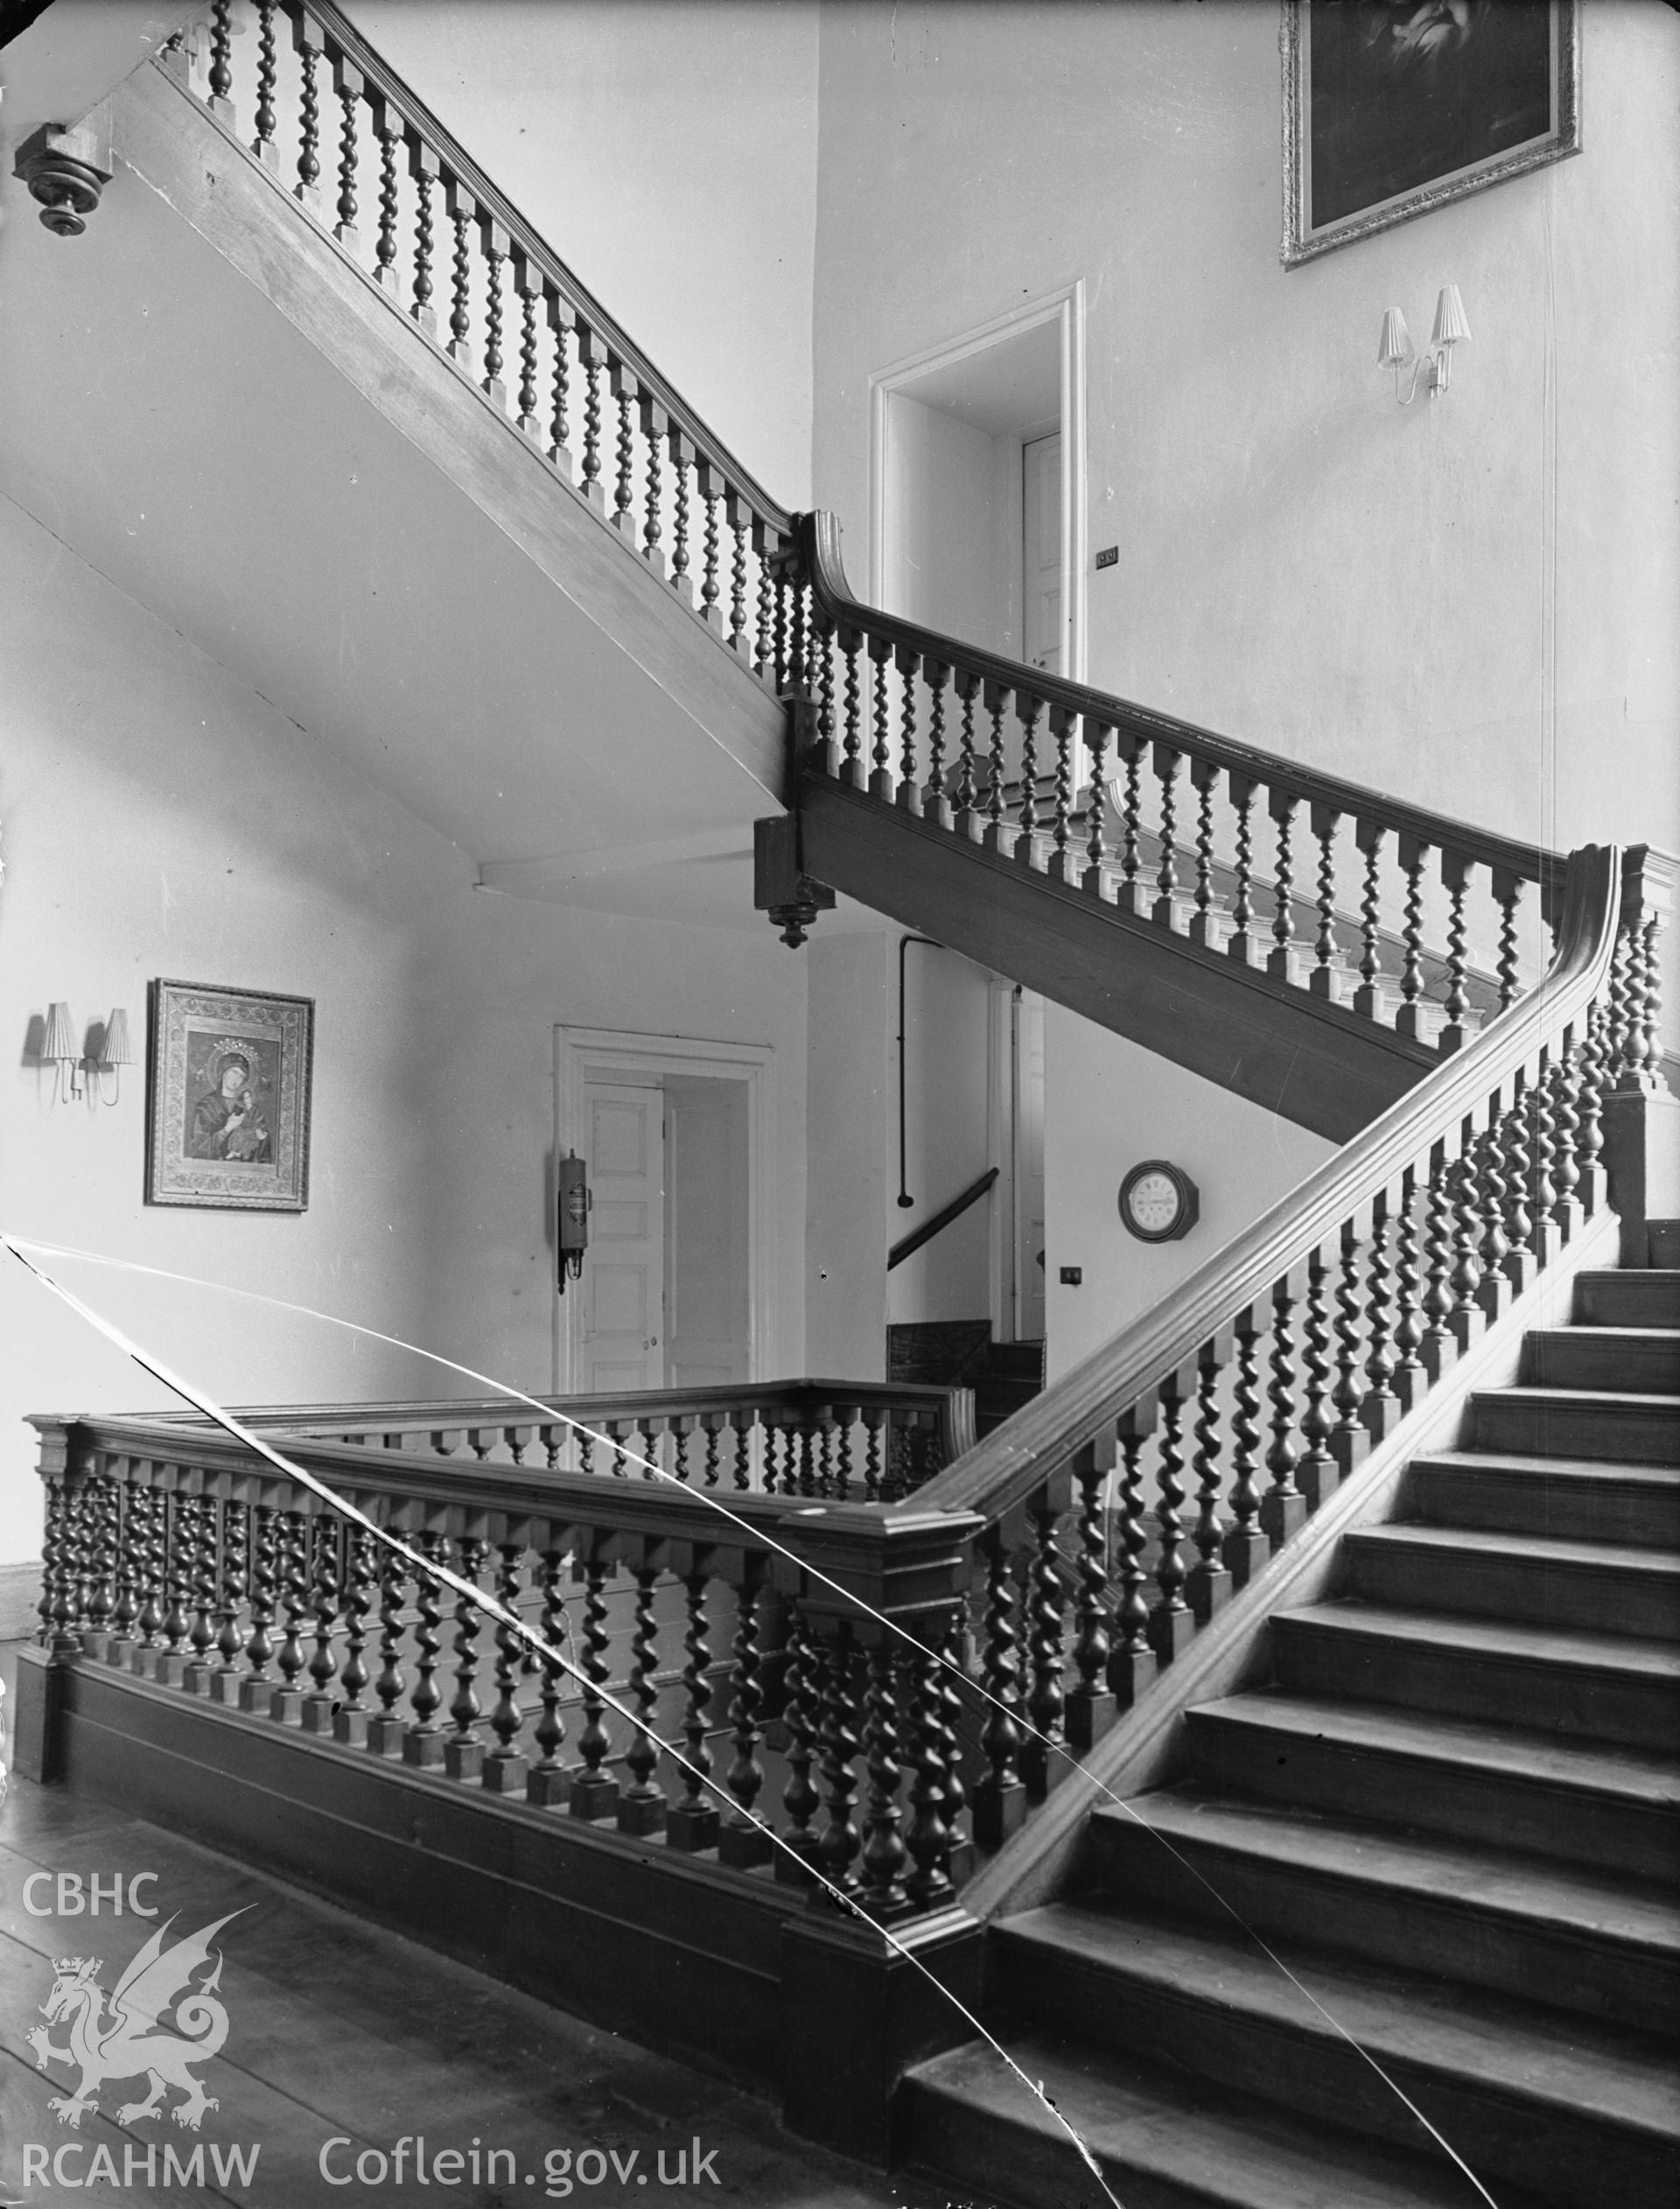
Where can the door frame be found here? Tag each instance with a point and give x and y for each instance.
(579, 1052)
(1066, 307)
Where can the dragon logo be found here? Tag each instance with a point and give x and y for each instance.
(116, 2036)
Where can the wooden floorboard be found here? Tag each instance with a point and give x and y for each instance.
(340, 2028)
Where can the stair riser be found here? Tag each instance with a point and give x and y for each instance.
(1585, 1598)
(1583, 1357)
(1632, 1298)
(1004, 2163)
(1513, 1503)
(1621, 1983)
(1643, 1712)
(1471, 1804)
(1625, 1433)
(1563, 2152)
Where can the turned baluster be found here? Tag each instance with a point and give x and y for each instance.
(800, 1716)
(1410, 1379)
(1384, 1409)
(1508, 893)
(101, 1506)
(263, 145)
(1466, 1318)
(504, 1768)
(594, 1792)
(1131, 1662)
(425, 168)
(286, 1703)
(384, 1733)
(221, 50)
(1412, 1019)
(928, 1841)
(908, 663)
(67, 1609)
(202, 1542)
(1246, 1547)
(693, 1820)
(1589, 1145)
(1318, 1472)
(130, 1567)
(881, 1866)
(462, 211)
(841, 1839)
(255, 1690)
(562, 322)
(463, 1749)
(592, 357)
(1349, 1438)
(1040, 1762)
(642, 1806)
(529, 290)
(1244, 944)
(52, 1610)
(1027, 711)
(1566, 1123)
(1283, 1508)
(874, 1419)
(881, 784)
(388, 129)
(547, 1782)
(741, 1839)
(423, 1743)
(1209, 1586)
(1207, 923)
(656, 432)
(936, 797)
(1065, 861)
(1091, 1708)
(1326, 977)
(1494, 1292)
(1455, 873)
(234, 1578)
(765, 543)
(310, 42)
(626, 390)
(1368, 999)
(1542, 1153)
(1518, 1162)
(999, 835)
(1000, 1794)
(969, 820)
(739, 515)
(349, 84)
(684, 456)
(1284, 959)
(148, 1566)
(1095, 877)
(323, 1600)
(350, 1720)
(1166, 910)
(1172, 1625)
(1439, 1347)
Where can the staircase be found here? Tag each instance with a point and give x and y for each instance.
(1454, 1814)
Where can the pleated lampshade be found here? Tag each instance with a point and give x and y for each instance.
(1451, 324)
(61, 1043)
(1396, 348)
(117, 1050)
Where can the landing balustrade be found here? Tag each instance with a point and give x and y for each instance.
(889, 1658)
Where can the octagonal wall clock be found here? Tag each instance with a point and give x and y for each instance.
(1159, 1202)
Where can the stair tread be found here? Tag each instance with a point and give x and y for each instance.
(1555, 2057)
(1631, 1775)
(1658, 1478)
(1633, 1400)
(1505, 1882)
(1621, 1653)
(1162, 2124)
(1538, 1549)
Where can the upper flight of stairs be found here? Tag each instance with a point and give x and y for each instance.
(1454, 1814)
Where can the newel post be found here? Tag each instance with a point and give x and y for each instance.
(1641, 1115)
(44, 1667)
(878, 1703)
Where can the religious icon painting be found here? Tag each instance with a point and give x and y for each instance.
(227, 1111)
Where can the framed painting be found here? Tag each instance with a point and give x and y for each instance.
(1393, 107)
(227, 1100)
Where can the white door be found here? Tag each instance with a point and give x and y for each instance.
(709, 1335)
(623, 1284)
(1041, 552)
(1029, 1166)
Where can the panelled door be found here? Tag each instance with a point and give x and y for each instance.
(623, 1283)
(1042, 553)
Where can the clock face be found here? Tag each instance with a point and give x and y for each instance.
(1158, 1202)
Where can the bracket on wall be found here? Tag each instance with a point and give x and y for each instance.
(66, 167)
(780, 888)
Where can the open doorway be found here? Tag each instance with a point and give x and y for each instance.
(977, 485)
(674, 1290)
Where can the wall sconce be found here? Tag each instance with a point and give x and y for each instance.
(1396, 351)
(70, 1061)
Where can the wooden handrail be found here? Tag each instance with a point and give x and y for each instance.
(817, 536)
(908, 1244)
(1016, 1456)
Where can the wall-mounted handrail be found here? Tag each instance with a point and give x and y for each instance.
(908, 1244)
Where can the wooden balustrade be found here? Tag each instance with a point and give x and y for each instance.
(295, 86)
(1405, 917)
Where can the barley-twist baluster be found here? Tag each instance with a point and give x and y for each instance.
(909, 794)
(1438, 1349)
(1369, 1000)
(1244, 944)
(350, 1720)
(547, 1782)
(1455, 873)
(310, 40)
(1246, 1547)
(740, 515)
(1326, 977)
(656, 429)
(1207, 923)
(936, 802)
(1000, 1795)
(256, 1689)
(130, 1567)
(710, 485)
(1095, 877)
(221, 47)
(530, 289)
(681, 450)
(1064, 731)
(425, 169)
(1467, 1319)
(970, 821)
(323, 1600)
(881, 1887)
(1282, 960)
(1045, 1602)
(464, 1750)
(802, 1712)
(741, 1839)
(881, 783)
(1590, 1141)
(387, 129)
(1409, 1378)
(1028, 710)
(1567, 1121)
(642, 1806)
(423, 1743)
(385, 1726)
(1317, 1471)
(1173, 1626)
(263, 145)
(562, 322)
(1091, 1709)
(1209, 1586)
(1283, 1508)
(592, 356)
(841, 1839)
(347, 79)
(286, 1704)
(928, 1841)
(1131, 1663)
(1542, 1153)
(693, 1821)
(1412, 1019)
(233, 1581)
(1349, 1438)
(1167, 909)
(504, 1769)
(594, 1793)
(1382, 1407)
(1519, 1182)
(999, 835)
(1507, 892)
(462, 209)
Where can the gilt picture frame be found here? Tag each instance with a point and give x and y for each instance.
(1395, 107)
(227, 1105)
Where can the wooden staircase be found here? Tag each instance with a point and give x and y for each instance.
(1454, 1812)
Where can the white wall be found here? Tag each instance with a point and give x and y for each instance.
(161, 819)
(850, 1163)
(1108, 1105)
(666, 149)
